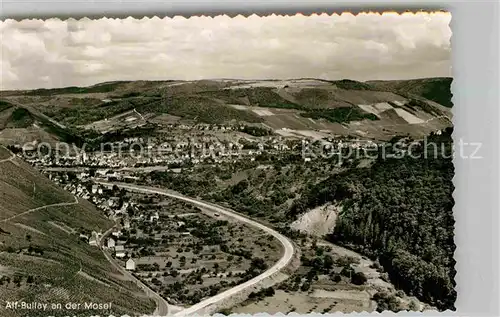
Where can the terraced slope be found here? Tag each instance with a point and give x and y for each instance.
(43, 258)
(435, 89)
(381, 109)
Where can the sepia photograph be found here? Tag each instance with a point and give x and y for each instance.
(227, 164)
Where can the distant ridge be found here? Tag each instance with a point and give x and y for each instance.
(380, 109)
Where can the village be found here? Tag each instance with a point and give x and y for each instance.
(182, 145)
(178, 250)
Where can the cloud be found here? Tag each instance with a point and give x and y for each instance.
(55, 53)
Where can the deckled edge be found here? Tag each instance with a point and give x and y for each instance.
(455, 273)
(299, 14)
(239, 15)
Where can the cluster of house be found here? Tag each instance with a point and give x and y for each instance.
(159, 150)
(110, 205)
(94, 238)
(200, 126)
(120, 253)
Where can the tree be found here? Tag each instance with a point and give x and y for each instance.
(319, 251)
(269, 291)
(358, 278)
(413, 306)
(400, 211)
(305, 287)
(337, 278)
(386, 301)
(258, 264)
(328, 262)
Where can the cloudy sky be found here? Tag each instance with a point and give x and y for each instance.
(54, 53)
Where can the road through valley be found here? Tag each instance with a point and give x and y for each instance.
(200, 308)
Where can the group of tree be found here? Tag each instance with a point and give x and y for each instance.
(400, 211)
(265, 292)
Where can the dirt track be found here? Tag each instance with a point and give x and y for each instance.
(39, 208)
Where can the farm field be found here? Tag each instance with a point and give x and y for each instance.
(188, 253)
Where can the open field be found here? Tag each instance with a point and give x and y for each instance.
(188, 253)
(317, 301)
(256, 277)
(327, 282)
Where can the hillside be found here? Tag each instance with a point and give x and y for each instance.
(399, 211)
(375, 109)
(435, 89)
(21, 124)
(42, 257)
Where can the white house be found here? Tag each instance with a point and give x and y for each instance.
(94, 238)
(111, 243)
(124, 207)
(119, 248)
(119, 251)
(130, 265)
(120, 254)
(154, 217)
(93, 241)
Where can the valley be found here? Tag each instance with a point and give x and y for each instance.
(207, 196)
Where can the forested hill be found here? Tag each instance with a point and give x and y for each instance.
(400, 211)
(435, 89)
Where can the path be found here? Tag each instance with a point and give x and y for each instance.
(39, 208)
(282, 263)
(8, 159)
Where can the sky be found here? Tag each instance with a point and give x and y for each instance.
(54, 53)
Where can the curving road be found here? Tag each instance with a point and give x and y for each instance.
(201, 306)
